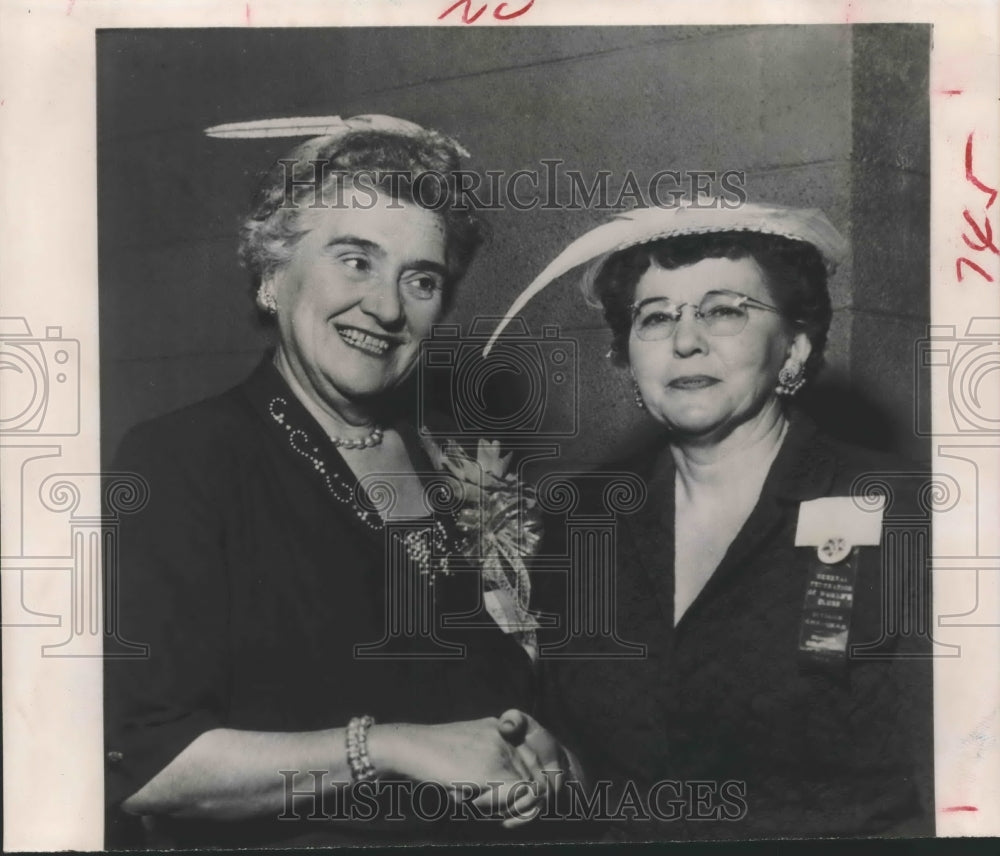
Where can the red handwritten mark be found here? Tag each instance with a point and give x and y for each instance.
(970, 176)
(985, 236)
(974, 266)
(248, 14)
(69, 8)
(984, 233)
(950, 91)
(960, 808)
(465, 13)
(499, 13)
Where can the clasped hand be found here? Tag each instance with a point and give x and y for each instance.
(507, 766)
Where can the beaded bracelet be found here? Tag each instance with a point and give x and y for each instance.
(362, 769)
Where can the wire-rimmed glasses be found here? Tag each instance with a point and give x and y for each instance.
(722, 313)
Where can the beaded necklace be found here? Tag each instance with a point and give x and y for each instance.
(428, 546)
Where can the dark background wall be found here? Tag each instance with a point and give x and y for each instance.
(827, 116)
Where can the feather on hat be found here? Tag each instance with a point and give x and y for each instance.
(643, 225)
(321, 126)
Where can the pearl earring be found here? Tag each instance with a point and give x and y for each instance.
(637, 393)
(791, 378)
(266, 300)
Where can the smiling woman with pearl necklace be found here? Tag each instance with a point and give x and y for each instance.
(259, 574)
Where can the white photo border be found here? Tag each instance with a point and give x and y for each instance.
(52, 707)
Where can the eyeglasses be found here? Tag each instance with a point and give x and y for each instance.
(723, 313)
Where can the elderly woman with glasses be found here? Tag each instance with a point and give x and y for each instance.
(291, 695)
(765, 677)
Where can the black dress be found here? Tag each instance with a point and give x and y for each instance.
(252, 577)
(720, 727)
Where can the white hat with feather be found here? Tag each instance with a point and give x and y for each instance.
(642, 225)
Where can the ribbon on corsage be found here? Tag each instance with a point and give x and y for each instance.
(500, 528)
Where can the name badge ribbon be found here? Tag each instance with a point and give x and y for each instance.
(835, 527)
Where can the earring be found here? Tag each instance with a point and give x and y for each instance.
(791, 378)
(266, 300)
(638, 396)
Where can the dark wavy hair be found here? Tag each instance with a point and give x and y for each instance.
(794, 271)
(417, 168)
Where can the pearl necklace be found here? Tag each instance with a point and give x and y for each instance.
(427, 546)
(370, 442)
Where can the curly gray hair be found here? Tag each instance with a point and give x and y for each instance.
(397, 163)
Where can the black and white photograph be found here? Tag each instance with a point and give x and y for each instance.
(258, 575)
(515, 435)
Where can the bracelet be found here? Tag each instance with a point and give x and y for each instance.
(362, 769)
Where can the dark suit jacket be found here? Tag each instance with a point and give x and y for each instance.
(251, 579)
(745, 736)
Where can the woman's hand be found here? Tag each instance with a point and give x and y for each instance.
(546, 759)
(459, 756)
(225, 774)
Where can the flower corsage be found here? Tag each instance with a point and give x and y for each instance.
(499, 527)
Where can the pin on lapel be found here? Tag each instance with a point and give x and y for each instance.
(835, 525)
(834, 550)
